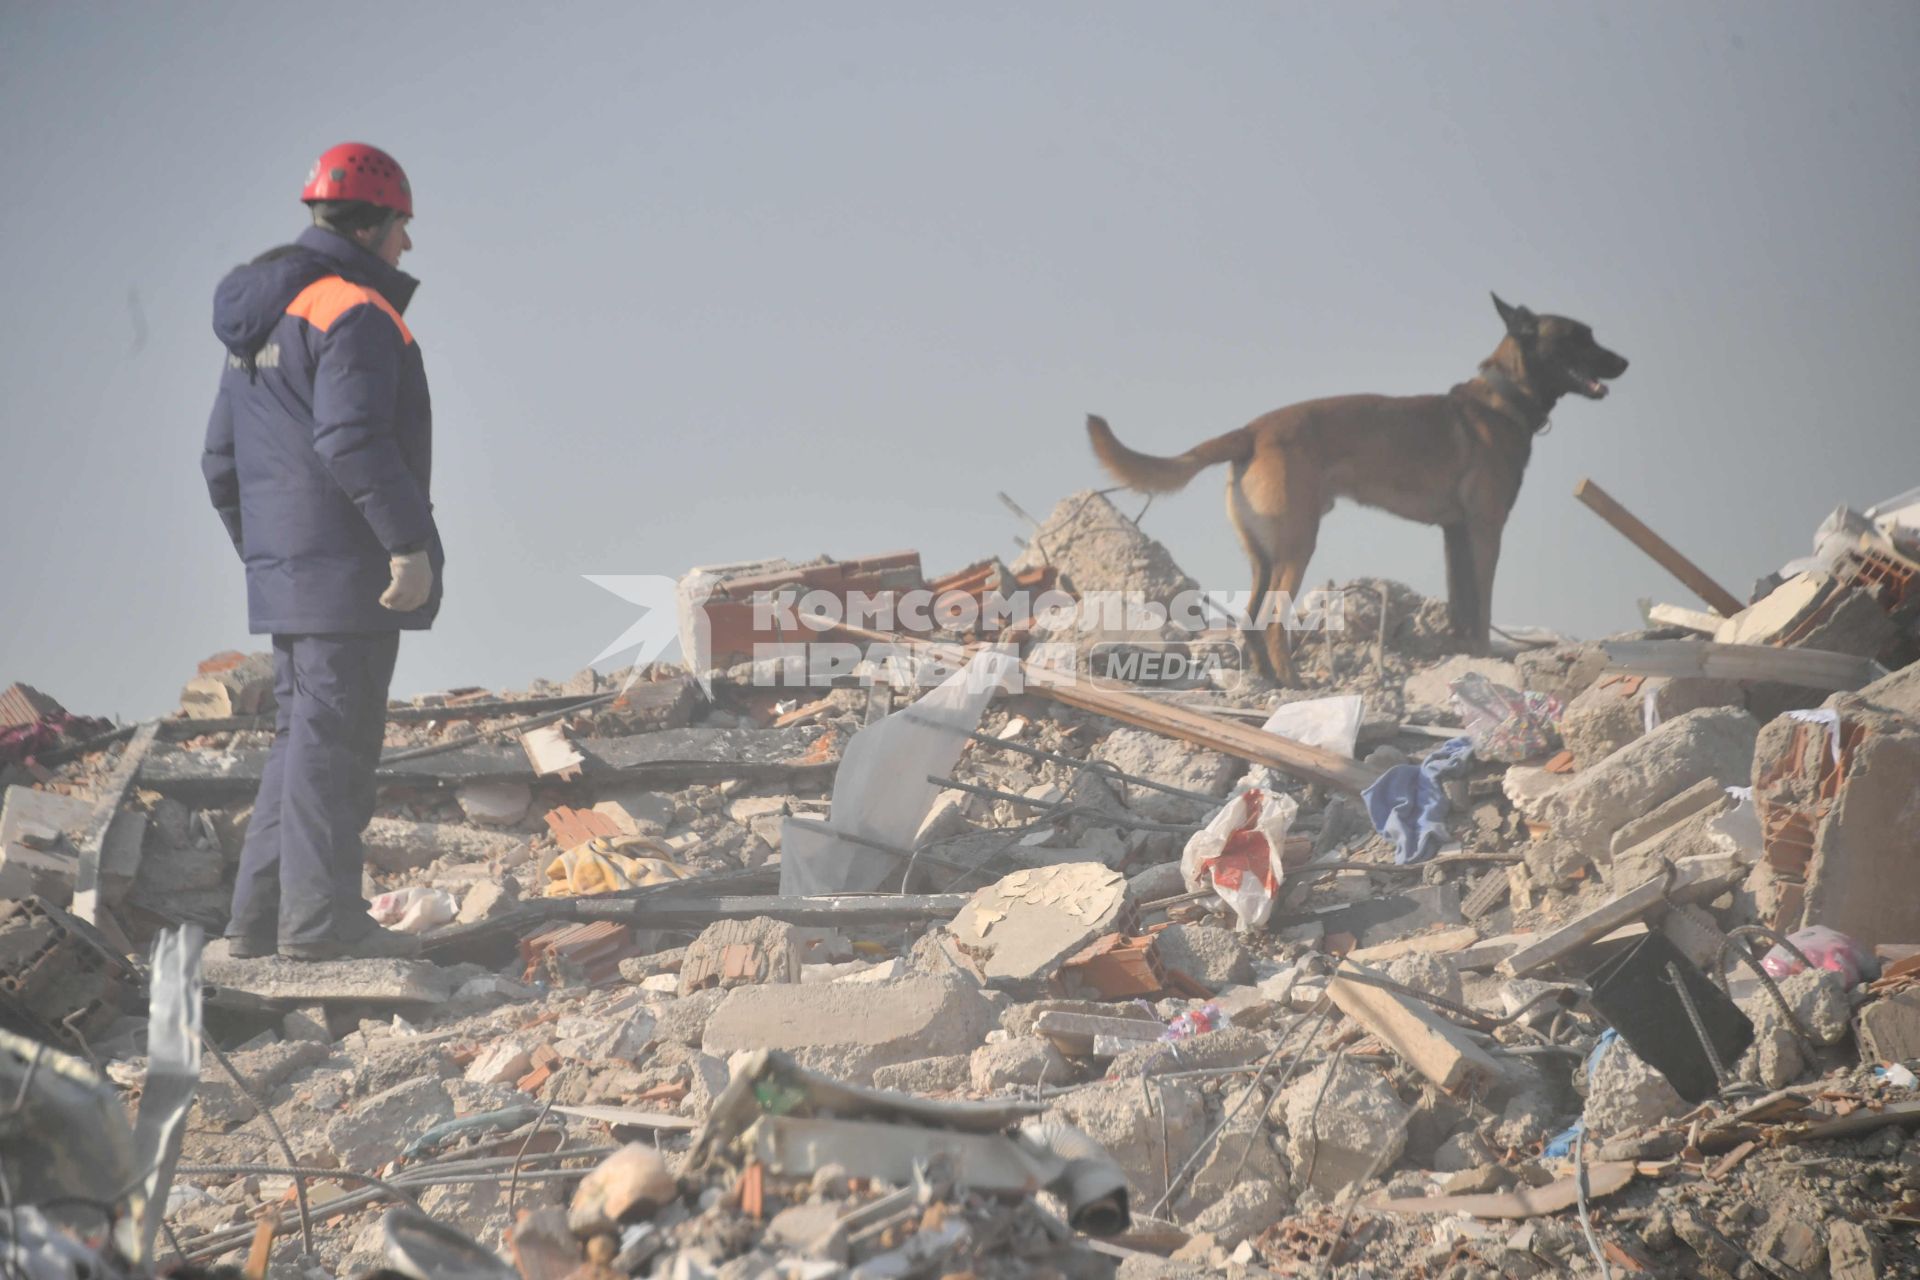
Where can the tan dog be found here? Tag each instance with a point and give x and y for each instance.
(1454, 460)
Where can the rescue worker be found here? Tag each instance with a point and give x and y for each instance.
(318, 456)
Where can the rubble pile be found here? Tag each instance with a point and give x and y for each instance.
(1581, 958)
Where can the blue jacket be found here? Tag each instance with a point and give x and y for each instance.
(319, 451)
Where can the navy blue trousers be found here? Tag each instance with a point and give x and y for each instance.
(301, 865)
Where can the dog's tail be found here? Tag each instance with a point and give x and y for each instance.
(1149, 474)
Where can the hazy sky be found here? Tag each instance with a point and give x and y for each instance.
(712, 282)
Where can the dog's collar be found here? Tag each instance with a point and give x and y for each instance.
(1512, 399)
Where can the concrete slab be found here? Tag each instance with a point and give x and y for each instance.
(303, 982)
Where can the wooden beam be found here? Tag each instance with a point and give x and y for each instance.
(841, 909)
(86, 877)
(1525, 1202)
(1601, 503)
(1436, 1048)
(1694, 879)
(1672, 615)
(1804, 668)
(1076, 1033)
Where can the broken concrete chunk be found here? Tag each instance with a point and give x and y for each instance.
(377, 1129)
(305, 982)
(1148, 1132)
(848, 1031)
(222, 1102)
(1019, 929)
(1889, 1028)
(735, 953)
(1243, 1212)
(396, 845)
(1773, 617)
(1433, 974)
(1707, 795)
(1094, 547)
(1156, 882)
(1852, 1252)
(1210, 954)
(501, 1063)
(1846, 832)
(1227, 1047)
(1710, 743)
(1624, 1093)
(631, 1182)
(1173, 763)
(684, 1021)
(1028, 1062)
(944, 1074)
(230, 684)
(1344, 1124)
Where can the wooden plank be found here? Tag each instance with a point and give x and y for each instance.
(1629, 526)
(1524, 1202)
(551, 754)
(1804, 668)
(1436, 1048)
(1672, 615)
(86, 877)
(1077, 1033)
(1690, 883)
(1438, 943)
(1224, 736)
(1860, 1122)
(842, 909)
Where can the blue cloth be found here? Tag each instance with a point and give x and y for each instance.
(319, 449)
(1408, 805)
(301, 864)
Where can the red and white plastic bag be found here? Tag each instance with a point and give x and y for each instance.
(1237, 854)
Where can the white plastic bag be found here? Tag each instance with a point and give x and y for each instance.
(413, 910)
(1332, 723)
(1237, 854)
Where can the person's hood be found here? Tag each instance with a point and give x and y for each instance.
(251, 299)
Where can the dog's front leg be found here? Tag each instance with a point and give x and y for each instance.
(1463, 584)
(1483, 536)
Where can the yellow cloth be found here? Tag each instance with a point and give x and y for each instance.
(600, 866)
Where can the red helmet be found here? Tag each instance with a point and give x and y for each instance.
(356, 171)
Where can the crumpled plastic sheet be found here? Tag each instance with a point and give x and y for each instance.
(173, 1073)
(881, 792)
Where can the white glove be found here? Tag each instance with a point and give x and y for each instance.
(412, 582)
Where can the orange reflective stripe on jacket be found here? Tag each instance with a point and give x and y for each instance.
(325, 301)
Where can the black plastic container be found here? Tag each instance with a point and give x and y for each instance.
(1634, 992)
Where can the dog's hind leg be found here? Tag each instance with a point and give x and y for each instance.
(1282, 516)
(1240, 514)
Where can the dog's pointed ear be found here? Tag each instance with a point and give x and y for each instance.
(1520, 322)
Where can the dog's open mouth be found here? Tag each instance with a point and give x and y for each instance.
(1591, 388)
